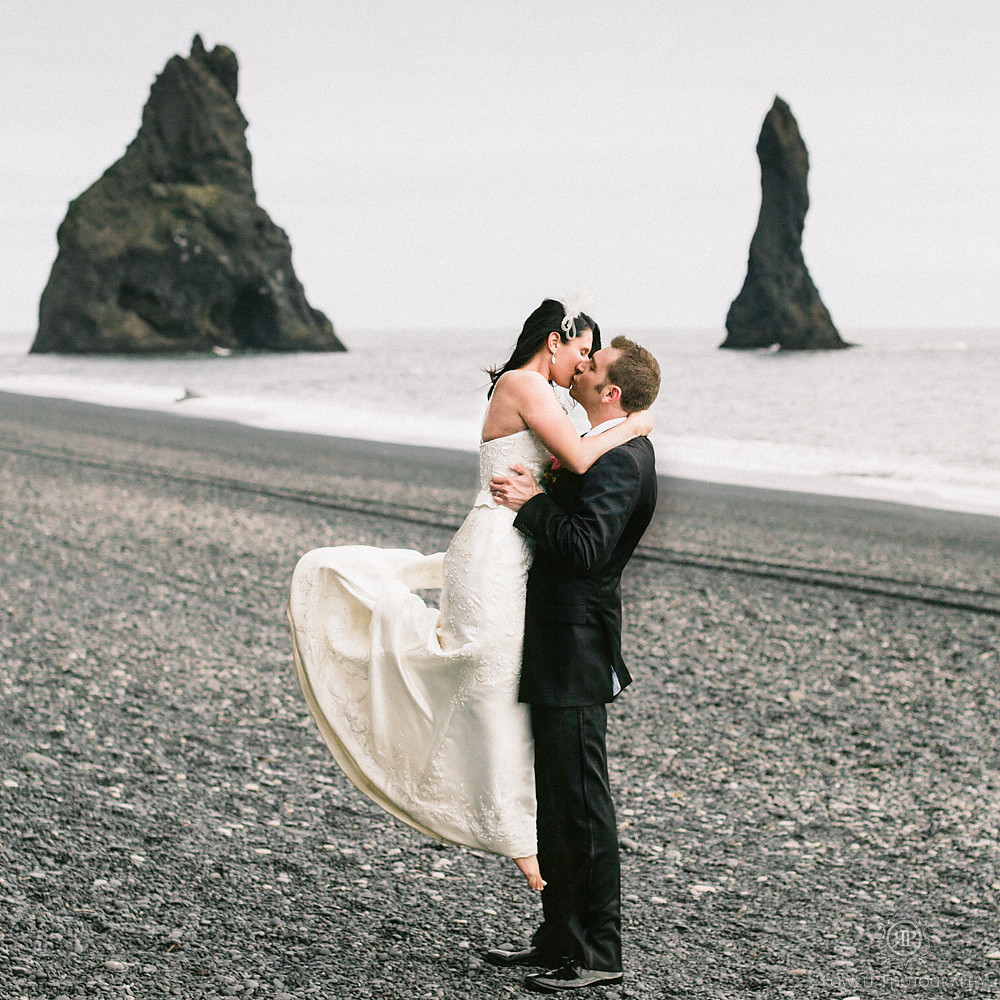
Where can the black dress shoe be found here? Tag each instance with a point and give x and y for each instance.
(519, 956)
(569, 977)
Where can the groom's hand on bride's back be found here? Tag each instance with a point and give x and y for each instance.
(516, 490)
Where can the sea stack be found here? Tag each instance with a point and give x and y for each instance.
(169, 251)
(779, 304)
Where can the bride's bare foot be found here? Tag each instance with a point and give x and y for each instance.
(530, 870)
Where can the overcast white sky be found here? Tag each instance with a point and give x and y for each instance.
(447, 164)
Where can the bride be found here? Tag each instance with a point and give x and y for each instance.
(419, 705)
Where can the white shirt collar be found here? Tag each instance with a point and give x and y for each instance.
(606, 426)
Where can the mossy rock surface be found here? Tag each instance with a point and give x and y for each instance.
(169, 251)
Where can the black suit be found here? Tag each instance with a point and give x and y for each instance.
(585, 530)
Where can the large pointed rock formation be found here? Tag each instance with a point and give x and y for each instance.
(169, 251)
(779, 304)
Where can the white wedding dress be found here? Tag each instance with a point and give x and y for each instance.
(419, 706)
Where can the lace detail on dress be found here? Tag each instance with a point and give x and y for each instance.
(497, 456)
(419, 706)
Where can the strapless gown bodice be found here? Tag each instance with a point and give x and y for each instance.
(417, 703)
(497, 456)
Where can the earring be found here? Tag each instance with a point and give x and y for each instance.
(553, 357)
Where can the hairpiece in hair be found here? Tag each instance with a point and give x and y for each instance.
(573, 305)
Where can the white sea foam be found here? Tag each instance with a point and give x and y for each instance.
(913, 418)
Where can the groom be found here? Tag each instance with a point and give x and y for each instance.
(585, 530)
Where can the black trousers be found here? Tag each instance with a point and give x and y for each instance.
(577, 838)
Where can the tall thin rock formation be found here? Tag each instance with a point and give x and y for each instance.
(779, 304)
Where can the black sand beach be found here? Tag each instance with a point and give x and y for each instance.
(806, 770)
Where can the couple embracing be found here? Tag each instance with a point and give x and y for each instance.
(482, 722)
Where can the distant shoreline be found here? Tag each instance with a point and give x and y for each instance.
(458, 465)
(778, 488)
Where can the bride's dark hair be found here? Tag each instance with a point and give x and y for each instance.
(546, 319)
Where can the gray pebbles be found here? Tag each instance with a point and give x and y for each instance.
(807, 777)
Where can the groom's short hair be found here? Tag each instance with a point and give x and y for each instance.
(636, 372)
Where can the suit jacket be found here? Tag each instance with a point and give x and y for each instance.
(585, 530)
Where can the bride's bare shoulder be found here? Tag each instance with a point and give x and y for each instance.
(513, 393)
(519, 381)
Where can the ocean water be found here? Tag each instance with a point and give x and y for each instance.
(909, 416)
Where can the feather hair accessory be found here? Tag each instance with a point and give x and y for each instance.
(573, 305)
